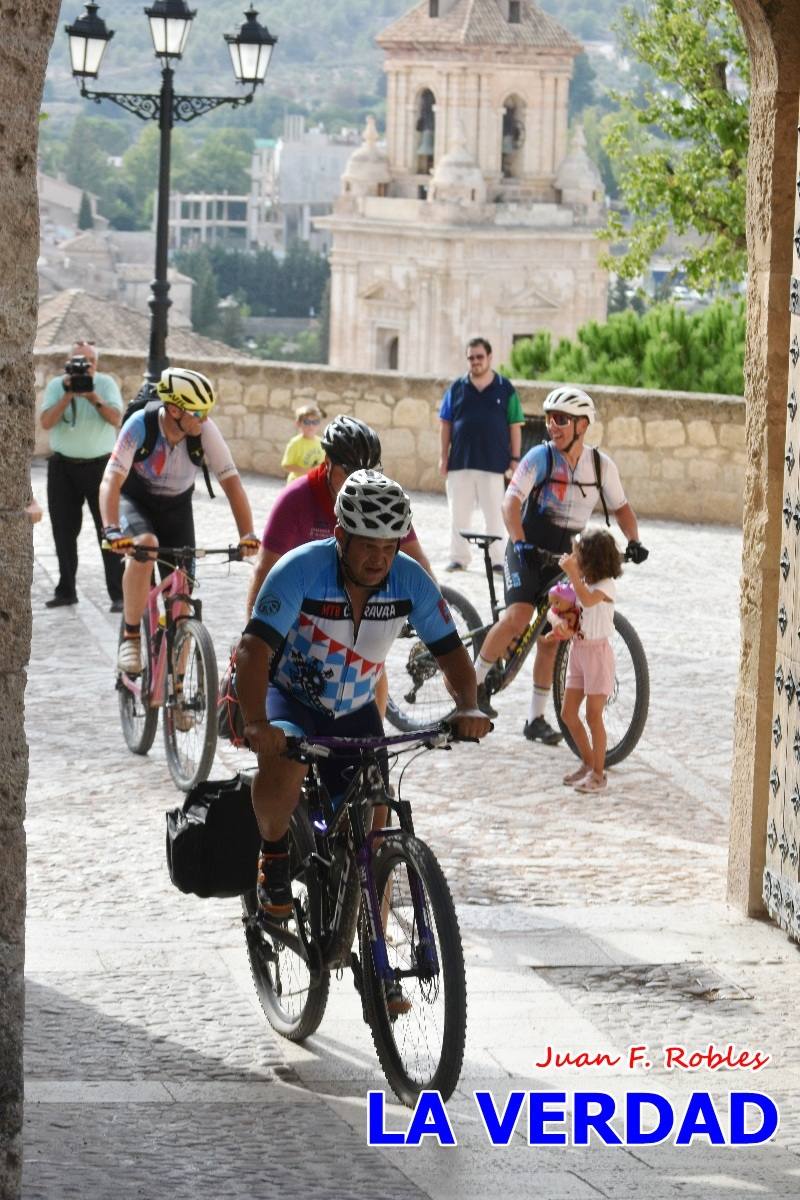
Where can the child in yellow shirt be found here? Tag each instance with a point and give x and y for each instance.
(304, 451)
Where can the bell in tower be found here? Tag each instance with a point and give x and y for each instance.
(425, 133)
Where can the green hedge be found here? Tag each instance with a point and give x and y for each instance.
(665, 348)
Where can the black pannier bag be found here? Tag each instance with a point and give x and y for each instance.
(213, 840)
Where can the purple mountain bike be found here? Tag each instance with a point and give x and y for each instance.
(384, 888)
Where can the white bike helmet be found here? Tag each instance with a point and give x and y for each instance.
(370, 505)
(186, 389)
(570, 400)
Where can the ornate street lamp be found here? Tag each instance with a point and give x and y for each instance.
(170, 22)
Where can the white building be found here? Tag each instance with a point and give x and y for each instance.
(477, 217)
(294, 179)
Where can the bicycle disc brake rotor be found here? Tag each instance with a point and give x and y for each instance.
(421, 664)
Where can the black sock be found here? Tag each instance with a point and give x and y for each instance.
(131, 630)
(279, 847)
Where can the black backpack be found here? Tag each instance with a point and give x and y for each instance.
(151, 410)
(598, 479)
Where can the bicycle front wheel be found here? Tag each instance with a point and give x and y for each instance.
(420, 1047)
(190, 719)
(417, 693)
(282, 978)
(137, 716)
(625, 713)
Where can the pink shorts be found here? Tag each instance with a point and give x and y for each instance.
(591, 666)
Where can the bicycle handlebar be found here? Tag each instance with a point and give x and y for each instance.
(151, 553)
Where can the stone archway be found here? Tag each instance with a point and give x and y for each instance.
(774, 42)
(27, 35)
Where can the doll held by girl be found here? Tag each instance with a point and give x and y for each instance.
(564, 615)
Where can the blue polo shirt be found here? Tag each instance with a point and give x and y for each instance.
(479, 420)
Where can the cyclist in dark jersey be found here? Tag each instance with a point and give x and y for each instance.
(303, 512)
(321, 627)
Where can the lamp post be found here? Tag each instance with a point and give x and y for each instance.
(170, 21)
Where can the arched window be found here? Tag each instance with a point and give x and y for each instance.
(513, 136)
(425, 132)
(393, 353)
(433, 8)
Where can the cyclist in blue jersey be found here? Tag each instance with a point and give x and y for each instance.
(320, 630)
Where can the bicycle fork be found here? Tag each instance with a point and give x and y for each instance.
(423, 947)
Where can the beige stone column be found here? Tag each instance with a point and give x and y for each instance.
(774, 39)
(392, 114)
(534, 163)
(27, 34)
(561, 107)
(548, 111)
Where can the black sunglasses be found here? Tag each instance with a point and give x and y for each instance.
(560, 419)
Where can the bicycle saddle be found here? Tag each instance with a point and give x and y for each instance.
(480, 539)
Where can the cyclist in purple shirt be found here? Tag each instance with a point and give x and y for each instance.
(304, 512)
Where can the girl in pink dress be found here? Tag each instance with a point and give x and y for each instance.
(592, 568)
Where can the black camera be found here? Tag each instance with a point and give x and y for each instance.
(80, 377)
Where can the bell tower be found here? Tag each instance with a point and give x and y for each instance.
(499, 70)
(475, 216)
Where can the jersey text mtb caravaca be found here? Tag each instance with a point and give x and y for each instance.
(320, 656)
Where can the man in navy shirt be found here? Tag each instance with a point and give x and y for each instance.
(481, 433)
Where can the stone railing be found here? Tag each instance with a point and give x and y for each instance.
(681, 455)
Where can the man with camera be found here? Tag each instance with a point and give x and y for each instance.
(81, 410)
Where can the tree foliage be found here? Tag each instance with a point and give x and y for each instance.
(679, 144)
(666, 348)
(85, 218)
(269, 287)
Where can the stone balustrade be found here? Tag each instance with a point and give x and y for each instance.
(681, 455)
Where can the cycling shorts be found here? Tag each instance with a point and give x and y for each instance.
(336, 772)
(172, 524)
(526, 581)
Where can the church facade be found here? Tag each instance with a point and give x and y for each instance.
(479, 215)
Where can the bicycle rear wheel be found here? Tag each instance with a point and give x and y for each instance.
(138, 718)
(190, 709)
(625, 713)
(417, 694)
(282, 979)
(423, 1048)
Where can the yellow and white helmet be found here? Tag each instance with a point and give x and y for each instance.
(186, 389)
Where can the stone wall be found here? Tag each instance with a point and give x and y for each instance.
(680, 454)
(27, 34)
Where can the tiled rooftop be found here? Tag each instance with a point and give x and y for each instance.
(67, 316)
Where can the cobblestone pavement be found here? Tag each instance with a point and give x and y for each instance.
(588, 924)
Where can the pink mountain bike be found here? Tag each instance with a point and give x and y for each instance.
(179, 671)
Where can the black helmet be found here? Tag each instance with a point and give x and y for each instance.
(351, 444)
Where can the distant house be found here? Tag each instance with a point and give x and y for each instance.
(116, 266)
(59, 206)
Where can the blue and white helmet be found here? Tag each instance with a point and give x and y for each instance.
(370, 505)
(572, 400)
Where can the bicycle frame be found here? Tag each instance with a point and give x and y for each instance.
(172, 590)
(326, 823)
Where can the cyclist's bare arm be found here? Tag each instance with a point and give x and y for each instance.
(459, 675)
(626, 519)
(110, 488)
(240, 506)
(253, 657)
(512, 515)
(265, 561)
